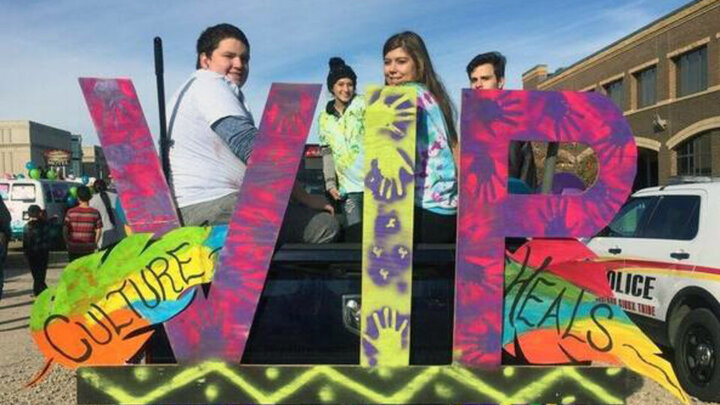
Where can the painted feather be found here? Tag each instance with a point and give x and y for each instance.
(549, 320)
(103, 308)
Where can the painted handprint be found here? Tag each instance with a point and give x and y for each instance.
(393, 113)
(385, 337)
(498, 108)
(389, 181)
(391, 117)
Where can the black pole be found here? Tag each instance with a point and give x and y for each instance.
(157, 349)
(164, 142)
(549, 170)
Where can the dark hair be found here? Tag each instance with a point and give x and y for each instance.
(496, 59)
(209, 40)
(101, 189)
(413, 44)
(99, 186)
(34, 211)
(83, 194)
(339, 70)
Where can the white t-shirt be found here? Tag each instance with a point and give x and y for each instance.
(110, 233)
(202, 165)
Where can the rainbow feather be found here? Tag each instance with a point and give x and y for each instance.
(549, 320)
(103, 308)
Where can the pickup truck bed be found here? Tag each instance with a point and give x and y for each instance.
(300, 316)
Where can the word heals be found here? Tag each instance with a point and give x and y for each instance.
(526, 290)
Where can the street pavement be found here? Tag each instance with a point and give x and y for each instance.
(19, 359)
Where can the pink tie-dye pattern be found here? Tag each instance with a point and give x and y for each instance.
(131, 155)
(222, 322)
(487, 214)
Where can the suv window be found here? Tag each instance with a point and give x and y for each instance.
(675, 217)
(631, 218)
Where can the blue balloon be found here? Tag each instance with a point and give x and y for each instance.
(85, 179)
(71, 201)
(20, 176)
(30, 165)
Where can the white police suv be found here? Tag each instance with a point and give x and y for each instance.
(663, 256)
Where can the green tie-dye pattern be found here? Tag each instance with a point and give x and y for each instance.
(345, 137)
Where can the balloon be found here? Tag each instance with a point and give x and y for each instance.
(72, 192)
(34, 174)
(30, 165)
(85, 179)
(51, 174)
(71, 201)
(20, 176)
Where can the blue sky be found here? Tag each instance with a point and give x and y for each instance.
(47, 45)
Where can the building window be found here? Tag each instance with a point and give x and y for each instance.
(616, 92)
(646, 80)
(692, 72)
(694, 157)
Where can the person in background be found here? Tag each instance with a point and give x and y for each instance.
(486, 71)
(407, 63)
(106, 203)
(341, 130)
(83, 226)
(5, 234)
(36, 246)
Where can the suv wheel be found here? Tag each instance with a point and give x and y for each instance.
(697, 351)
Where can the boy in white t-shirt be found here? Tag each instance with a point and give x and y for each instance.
(212, 134)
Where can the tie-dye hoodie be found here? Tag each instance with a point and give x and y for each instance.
(345, 135)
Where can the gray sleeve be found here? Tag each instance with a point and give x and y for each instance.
(238, 133)
(328, 168)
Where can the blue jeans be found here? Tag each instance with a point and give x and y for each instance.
(353, 208)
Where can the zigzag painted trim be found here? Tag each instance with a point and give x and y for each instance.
(215, 382)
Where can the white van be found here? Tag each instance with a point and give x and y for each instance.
(19, 194)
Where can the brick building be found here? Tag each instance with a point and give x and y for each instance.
(666, 79)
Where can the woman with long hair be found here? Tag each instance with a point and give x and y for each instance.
(407, 63)
(106, 203)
